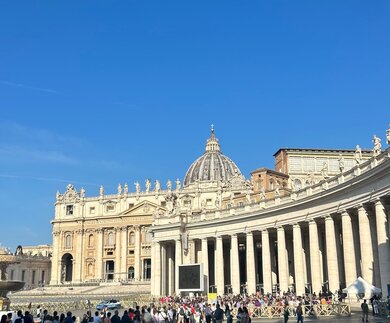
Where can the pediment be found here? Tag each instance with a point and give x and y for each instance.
(143, 208)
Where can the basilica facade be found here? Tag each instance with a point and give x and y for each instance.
(316, 222)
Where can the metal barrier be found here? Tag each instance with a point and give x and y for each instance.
(315, 310)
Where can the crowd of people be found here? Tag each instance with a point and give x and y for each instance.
(199, 309)
(174, 309)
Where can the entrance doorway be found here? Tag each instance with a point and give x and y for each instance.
(66, 267)
(110, 269)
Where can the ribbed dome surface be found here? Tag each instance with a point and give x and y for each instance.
(212, 165)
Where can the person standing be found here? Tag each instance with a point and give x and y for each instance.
(364, 307)
(218, 314)
(299, 313)
(115, 318)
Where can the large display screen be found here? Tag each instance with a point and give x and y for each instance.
(191, 277)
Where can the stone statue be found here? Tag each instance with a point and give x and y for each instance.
(217, 203)
(126, 189)
(324, 170)
(377, 145)
(341, 163)
(277, 188)
(58, 195)
(291, 183)
(178, 184)
(19, 251)
(157, 186)
(169, 185)
(388, 135)
(119, 189)
(82, 192)
(137, 187)
(101, 190)
(171, 200)
(147, 185)
(358, 155)
(262, 192)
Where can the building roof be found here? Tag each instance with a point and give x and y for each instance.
(321, 150)
(267, 170)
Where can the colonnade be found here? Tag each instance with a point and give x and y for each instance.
(325, 253)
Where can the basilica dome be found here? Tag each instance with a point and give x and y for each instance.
(212, 165)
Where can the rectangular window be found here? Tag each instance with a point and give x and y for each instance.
(33, 277)
(92, 210)
(131, 252)
(69, 210)
(163, 203)
(110, 208)
(109, 253)
(23, 275)
(131, 205)
(187, 203)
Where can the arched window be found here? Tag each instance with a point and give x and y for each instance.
(130, 273)
(271, 185)
(132, 238)
(91, 241)
(111, 239)
(68, 241)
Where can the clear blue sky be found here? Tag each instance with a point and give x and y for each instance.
(107, 92)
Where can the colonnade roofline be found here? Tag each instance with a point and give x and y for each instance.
(369, 185)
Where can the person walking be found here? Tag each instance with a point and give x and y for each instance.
(299, 312)
(286, 313)
(364, 307)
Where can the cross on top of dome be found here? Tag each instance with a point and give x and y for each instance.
(212, 143)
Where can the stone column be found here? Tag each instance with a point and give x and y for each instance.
(55, 259)
(205, 261)
(137, 253)
(348, 248)
(235, 265)
(171, 270)
(219, 265)
(152, 263)
(178, 261)
(250, 264)
(99, 254)
(266, 255)
(157, 269)
(315, 265)
(79, 256)
(117, 267)
(282, 260)
(383, 246)
(331, 255)
(163, 270)
(367, 258)
(299, 278)
(124, 252)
